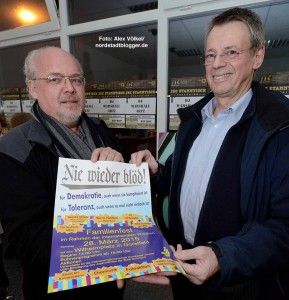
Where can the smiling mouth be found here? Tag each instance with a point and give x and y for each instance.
(221, 76)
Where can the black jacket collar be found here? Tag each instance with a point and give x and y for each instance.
(271, 113)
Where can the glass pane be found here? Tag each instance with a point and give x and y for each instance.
(17, 14)
(124, 54)
(88, 10)
(12, 61)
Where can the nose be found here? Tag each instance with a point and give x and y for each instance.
(68, 85)
(219, 61)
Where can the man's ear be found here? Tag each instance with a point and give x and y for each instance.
(259, 57)
(32, 89)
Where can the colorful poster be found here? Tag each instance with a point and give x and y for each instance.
(103, 227)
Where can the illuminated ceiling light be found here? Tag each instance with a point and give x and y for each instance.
(26, 16)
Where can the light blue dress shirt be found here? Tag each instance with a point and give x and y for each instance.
(202, 157)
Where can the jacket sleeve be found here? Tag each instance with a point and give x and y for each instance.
(27, 193)
(262, 246)
(162, 182)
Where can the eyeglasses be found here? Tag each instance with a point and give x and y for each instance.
(61, 79)
(228, 56)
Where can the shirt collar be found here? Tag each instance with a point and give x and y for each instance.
(237, 108)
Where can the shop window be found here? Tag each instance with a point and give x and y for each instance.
(120, 67)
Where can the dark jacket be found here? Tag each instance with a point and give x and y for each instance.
(261, 247)
(28, 164)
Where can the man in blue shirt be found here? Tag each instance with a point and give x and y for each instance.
(228, 177)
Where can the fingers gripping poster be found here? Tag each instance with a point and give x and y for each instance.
(103, 227)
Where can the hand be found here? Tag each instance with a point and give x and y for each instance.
(145, 156)
(106, 154)
(120, 283)
(206, 263)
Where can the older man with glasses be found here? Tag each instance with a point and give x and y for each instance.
(29, 161)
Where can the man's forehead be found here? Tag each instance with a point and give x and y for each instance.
(63, 63)
(231, 36)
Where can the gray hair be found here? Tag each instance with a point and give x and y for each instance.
(29, 68)
(248, 17)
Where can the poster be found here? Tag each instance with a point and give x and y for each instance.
(103, 228)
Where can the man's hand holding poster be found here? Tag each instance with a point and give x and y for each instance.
(103, 227)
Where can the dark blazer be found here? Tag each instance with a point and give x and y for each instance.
(28, 164)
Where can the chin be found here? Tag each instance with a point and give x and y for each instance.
(220, 87)
(70, 118)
